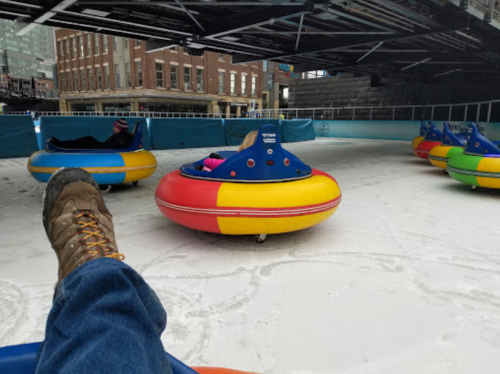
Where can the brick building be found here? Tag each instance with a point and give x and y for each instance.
(104, 73)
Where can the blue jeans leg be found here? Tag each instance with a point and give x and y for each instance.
(104, 319)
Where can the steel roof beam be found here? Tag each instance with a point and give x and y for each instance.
(45, 16)
(319, 46)
(358, 19)
(21, 4)
(13, 13)
(383, 15)
(261, 19)
(384, 50)
(416, 63)
(140, 3)
(75, 16)
(243, 49)
(300, 29)
(272, 32)
(370, 51)
(186, 10)
(406, 12)
(232, 3)
(56, 22)
(447, 72)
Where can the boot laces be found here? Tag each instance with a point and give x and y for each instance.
(92, 239)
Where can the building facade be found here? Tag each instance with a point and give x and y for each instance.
(27, 61)
(104, 73)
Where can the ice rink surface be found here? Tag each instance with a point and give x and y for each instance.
(403, 278)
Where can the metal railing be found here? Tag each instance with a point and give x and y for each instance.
(484, 111)
(488, 111)
(127, 114)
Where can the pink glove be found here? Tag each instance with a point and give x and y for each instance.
(212, 163)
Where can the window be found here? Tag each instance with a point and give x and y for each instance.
(117, 76)
(187, 78)
(138, 67)
(243, 84)
(84, 83)
(137, 43)
(73, 48)
(253, 85)
(125, 43)
(106, 77)
(96, 44)
(61, 49)
(90, 75)
(67, 49)
(88, 45)
(63, 81)
(173, 77)
(128, 76)
(80, 43)
(104, 44)
(77, 80)
(115, 43)
(199, 79)
(68, 78)
(38, 84)
(159, 75)
(270, 81)
(233, 83)
(99, 77)
(221, 82)
(221, 57)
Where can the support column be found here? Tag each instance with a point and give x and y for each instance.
(238, 111)
(98, 106)
(228, 111)
(134, 106)
(63, 106)
(276, 106)
(212, 107)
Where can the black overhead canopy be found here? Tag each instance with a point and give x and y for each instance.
(406, 38)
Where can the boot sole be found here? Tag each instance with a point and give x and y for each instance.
(56, 184)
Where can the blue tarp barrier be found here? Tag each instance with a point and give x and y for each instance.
(17, 136)
(68, 127)
(178, 133)
(237, 129)
(297, 130)
(387, 130)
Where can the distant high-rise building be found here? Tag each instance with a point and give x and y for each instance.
(31, 55)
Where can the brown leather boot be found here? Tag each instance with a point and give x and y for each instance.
(76, 220)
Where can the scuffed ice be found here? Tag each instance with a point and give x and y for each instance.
(403, 278)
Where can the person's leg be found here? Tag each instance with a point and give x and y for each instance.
(87, 142)
(105, 318)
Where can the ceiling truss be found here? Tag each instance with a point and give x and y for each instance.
(403, 38)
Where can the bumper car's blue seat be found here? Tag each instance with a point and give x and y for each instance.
(451, 139)
(21, 359)
(263, 162)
